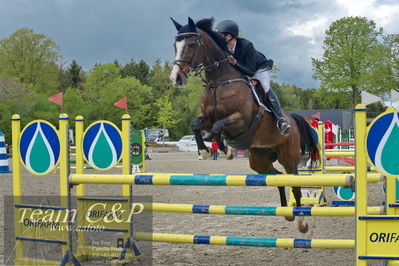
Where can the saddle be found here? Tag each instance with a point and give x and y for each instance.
(260, 96)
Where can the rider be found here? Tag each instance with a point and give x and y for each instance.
(252, 63)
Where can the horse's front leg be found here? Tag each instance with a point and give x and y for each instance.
(233, 121)
(197, 125)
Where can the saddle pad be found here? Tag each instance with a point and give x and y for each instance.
(259, 96)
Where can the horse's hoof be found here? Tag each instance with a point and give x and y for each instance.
(205, 154)
(228, 155)
(290, 218)
(304, 229)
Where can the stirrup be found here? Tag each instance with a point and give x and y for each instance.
(284, 127)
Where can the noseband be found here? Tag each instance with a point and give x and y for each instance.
(189, 61)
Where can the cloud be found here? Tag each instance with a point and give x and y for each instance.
(309, 28)
(356, 7)
(98, 31)
(383, 13)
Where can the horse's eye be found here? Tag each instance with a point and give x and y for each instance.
(191, 45)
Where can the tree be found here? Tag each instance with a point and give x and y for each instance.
(74, 105)
(63, 78)
(166, 117)
(104, 86)
(75, 74)
(140, 71)
(346, 61)
(186, 101)
(31, 59)
(385, 74)
(288, 96)
(160, 81)
(11, 89)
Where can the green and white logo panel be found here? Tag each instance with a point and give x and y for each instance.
(102, 145)
(39, 147)
(382, 143)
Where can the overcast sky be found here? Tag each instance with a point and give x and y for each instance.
(99, 31)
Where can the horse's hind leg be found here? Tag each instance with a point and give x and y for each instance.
(302, 225)
(290, 163)
(197, 126)
(261, 161)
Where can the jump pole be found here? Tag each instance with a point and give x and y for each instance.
(339, 154)
(247, 241)
(215, 180)
(254, 210)
(332, 168)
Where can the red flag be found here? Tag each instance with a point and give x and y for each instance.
(122, 103)
(57, 98)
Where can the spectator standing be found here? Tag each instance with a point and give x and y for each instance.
(214, 148)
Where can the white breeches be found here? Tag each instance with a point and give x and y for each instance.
(263, 76)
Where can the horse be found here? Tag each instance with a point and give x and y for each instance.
(229, 110)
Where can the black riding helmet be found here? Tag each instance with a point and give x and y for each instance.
(228, 26)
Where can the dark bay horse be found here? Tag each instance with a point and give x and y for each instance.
(230, 113)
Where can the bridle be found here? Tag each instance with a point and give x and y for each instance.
(198, 44)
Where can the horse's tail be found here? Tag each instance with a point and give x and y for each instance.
(308, 139)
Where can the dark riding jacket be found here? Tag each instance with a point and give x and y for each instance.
(249, 58)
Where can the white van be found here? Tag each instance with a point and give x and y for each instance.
(188, 143)
(155, 135)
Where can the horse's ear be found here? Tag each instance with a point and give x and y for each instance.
(177, 25)
(205, 24)
(192, 24)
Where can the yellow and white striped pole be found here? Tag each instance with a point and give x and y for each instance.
(254, 210)
(344, 180)
(320, 134)
(64, 158)
(80, 189)
(64, 169)
(247, 241)
(361, 183)
(17, 181)
(126, 166)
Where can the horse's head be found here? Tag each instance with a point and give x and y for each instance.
(188, 54)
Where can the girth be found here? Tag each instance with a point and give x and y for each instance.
(244, 140)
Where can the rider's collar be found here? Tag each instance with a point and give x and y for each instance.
(232, 50)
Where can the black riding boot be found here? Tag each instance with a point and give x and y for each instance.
(274, 105)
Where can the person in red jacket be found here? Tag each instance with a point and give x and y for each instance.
(214, 148)
(329, 135)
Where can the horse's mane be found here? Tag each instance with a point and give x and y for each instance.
(206, 25)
